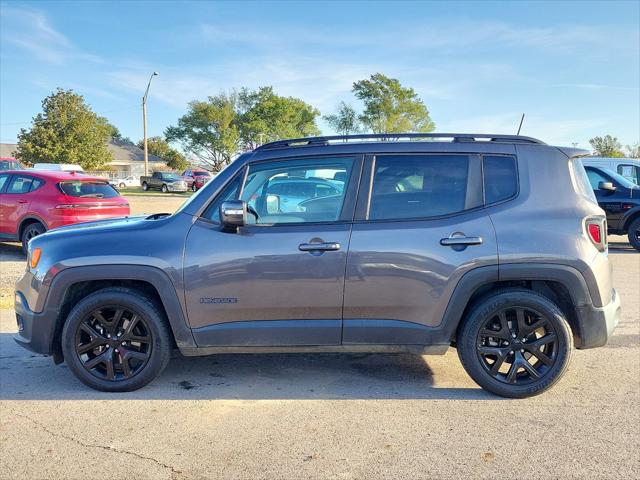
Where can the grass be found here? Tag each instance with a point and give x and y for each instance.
(138, 192)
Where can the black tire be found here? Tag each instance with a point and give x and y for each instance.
(634, 233)
(30, 231)
(164, 188)
(145, 186)
(477, 341)
(155, 340)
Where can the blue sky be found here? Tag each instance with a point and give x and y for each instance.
(572, 67)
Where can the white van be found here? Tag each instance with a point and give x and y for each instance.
(629, 168)
(59, 167)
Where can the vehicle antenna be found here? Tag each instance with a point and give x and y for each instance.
(520, 126)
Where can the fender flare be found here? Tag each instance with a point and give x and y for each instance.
(61, 283)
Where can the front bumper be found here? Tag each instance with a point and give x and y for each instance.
(35, 330)
(597, 324)
(177, 188)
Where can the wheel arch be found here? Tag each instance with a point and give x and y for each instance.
(75, 283)
(28, 220)
(563, 285)
(629, 217)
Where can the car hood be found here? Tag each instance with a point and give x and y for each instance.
(109, 225)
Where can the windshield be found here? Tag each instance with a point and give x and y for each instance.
(171, 176)
(10, 165)
(88, 189)
(620, 179)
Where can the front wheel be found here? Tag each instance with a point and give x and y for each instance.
(122, 185)
(116, 340)
(634, 234)
(32, 230)
(164, 189)
(515, 343)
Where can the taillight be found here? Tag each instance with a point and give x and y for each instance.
(597, 232)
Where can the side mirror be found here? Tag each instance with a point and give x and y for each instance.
(273, 204)
(607, 186)
(233, 214)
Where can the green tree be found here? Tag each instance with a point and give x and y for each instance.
(115, 133)
(66, 131)
(345, 121)
(633, 151)
(160, 148)
(391, 108)
(606, 146)
(209, 130)
(266, 116)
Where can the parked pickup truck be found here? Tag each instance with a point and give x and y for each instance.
(164, 181)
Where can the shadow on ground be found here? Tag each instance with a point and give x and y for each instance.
(27, 376)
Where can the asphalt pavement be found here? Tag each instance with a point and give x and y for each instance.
(326, 416)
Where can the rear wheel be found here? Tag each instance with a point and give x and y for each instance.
(145, 186)
(32, 230)
(164, 188)
(122, 185)
(515, 343)
(634, 234)
(116, 340)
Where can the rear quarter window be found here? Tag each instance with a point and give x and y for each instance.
(500, 178)
(582, 182)
(84, 189)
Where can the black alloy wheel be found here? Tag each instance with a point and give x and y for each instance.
(117, 339)
(113, 343)
(517, 345)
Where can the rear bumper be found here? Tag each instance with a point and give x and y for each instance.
(598, 323)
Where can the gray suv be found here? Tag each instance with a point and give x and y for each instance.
(492, 244)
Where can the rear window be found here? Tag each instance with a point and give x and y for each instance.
(201, 174)
(500, 178)
(10, 165)
(88, 189)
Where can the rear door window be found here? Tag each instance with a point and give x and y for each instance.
(500, 178)
(20, 184)
(420, 186)
(88, 189)
(3, 181)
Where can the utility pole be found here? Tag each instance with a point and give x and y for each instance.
(144, 124)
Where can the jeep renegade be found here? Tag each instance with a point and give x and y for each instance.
(396, 243)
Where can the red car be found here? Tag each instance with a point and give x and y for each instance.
(32, 202)
(196, 178)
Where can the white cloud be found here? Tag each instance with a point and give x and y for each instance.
(31, 31)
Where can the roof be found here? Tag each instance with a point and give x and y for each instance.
(123, 151)
(55, 175)
(394, 137)
(7, 149)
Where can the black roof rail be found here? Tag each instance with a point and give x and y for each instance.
(454, 137)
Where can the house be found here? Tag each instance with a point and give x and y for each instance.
(127, 160)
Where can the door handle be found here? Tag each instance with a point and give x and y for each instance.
(460, 241)
(23, 201)
(322, 247)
